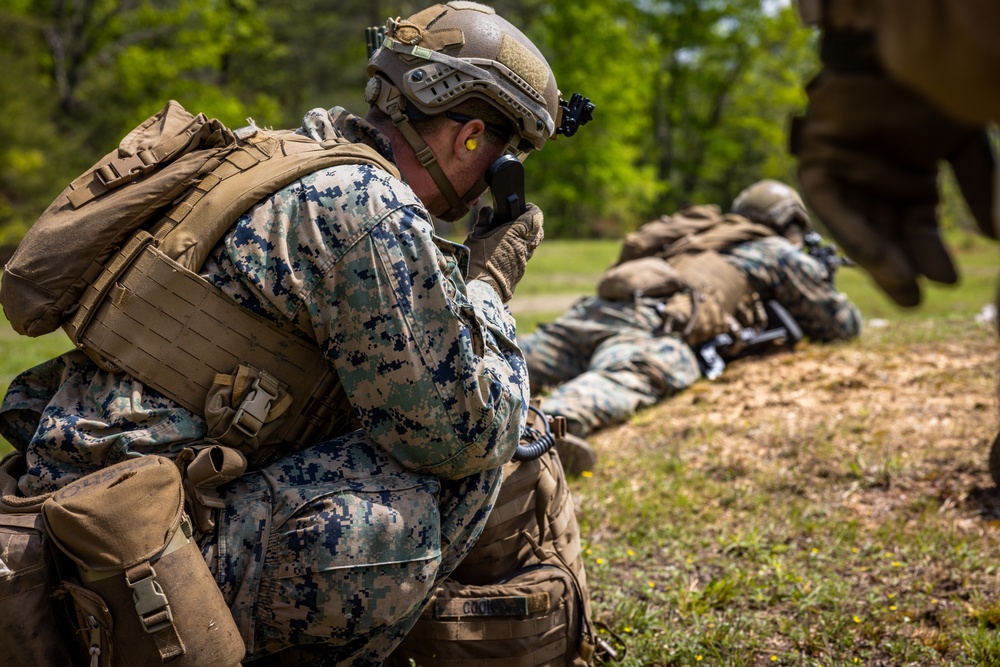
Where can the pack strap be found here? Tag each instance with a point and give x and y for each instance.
(263, 163)
(153, 609)
(242, 159)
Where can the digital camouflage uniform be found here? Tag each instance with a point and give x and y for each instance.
(340, 543)
(606, 359)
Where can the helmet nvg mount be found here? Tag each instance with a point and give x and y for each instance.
(776, 205)
(447, 54)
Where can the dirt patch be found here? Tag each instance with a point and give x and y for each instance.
(890, 424)
(831, 505)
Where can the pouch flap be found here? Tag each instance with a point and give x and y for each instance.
(117, 517)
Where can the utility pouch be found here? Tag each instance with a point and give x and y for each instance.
(205, 468)
(244, 409)
(147, 594)
(34, 622)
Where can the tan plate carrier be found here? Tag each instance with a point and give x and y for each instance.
(150, 314)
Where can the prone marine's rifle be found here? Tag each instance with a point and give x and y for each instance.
(827, 254)
(783, 331)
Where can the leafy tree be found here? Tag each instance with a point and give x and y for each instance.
(692, 96)
(730, 77)
(84, 72)
(596, 182)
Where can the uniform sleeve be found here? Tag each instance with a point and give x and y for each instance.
(780, 271)
(429, 363)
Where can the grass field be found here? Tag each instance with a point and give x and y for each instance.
(825, 507)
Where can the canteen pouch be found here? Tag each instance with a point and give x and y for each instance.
(146, 593)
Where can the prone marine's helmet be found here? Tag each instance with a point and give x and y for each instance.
(776, 205)
(449, 53)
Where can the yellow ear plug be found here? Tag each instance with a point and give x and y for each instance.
(470, 143)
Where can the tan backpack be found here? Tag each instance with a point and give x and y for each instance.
(114, 261)
(677, 258)
(520, 597)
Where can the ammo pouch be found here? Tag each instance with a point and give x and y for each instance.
(147, 596)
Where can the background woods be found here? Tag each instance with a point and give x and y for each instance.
(693, 96)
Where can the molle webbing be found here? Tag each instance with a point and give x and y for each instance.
(151, 315)
(171, 329)
(532, 501)
(520, 597)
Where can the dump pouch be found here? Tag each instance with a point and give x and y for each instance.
(147, 594)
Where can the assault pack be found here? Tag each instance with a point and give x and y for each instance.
(678, 259)
(520, 597)
(114, 261)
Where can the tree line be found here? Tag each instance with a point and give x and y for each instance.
(692, 97)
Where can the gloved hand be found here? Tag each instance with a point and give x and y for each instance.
(499, 256)
(868, 152)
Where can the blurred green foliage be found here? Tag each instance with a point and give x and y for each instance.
(692, 96)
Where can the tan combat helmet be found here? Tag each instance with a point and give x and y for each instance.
(776, 205)
(449, 53)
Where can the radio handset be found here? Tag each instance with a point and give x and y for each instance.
(506, 180)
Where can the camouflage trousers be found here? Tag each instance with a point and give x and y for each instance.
(604, 360)
(328, 556)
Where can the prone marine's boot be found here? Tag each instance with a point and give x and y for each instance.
(575, 454)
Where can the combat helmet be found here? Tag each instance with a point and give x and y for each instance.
(447, 54)
(776, 205)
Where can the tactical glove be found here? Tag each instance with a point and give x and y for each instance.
(499, 256)
(868, 152)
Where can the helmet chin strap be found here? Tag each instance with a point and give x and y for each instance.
(392, 102)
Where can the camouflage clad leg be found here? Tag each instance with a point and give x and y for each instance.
(336, 548)
(628, 372)
(561, 350)
(606, 360)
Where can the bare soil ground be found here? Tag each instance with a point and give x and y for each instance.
(915, 419)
